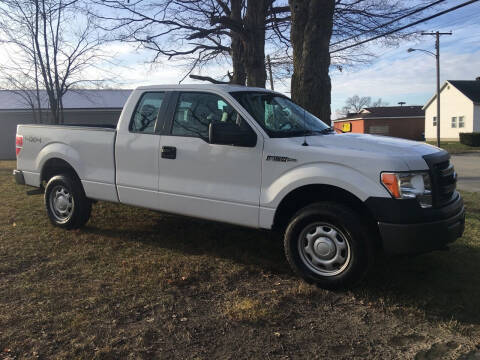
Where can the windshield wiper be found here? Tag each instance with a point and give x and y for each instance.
(318, 132)
(295, 133)
(328, 130)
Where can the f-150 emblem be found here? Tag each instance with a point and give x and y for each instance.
(280, 158)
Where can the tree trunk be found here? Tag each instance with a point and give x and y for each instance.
(312, 22)
(238, 53)
(61, 118)
(255, 42)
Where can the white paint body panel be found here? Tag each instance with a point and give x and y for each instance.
(218, 182)
(352, 162)
(88, 150)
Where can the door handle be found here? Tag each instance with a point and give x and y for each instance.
(169, 152)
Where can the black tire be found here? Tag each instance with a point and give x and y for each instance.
(332, 260)
(67, 207)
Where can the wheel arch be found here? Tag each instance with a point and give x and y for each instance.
(56, 166)
(309, 194)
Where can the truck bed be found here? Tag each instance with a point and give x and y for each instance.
(88, 149)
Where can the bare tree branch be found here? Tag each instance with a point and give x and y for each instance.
(54, 41)
(209, 79)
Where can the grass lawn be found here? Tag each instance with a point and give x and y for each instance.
(139, 284)
(455, 147)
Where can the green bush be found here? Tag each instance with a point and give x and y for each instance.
(470, 139)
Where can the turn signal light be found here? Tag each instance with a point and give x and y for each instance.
(391, 182)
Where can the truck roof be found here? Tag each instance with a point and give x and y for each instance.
(221, 87)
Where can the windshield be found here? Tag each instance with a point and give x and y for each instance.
(279, 116)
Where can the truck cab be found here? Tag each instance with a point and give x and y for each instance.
(252, 157)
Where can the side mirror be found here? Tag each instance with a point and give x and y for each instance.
(226, 133)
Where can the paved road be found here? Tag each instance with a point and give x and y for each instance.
(467, 167)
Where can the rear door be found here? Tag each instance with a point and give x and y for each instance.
(196, 178)
(137, 151)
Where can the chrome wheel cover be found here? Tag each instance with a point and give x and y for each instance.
(324, 249)
(61, 203)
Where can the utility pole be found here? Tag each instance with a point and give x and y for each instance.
(437, 56)
(269, 66)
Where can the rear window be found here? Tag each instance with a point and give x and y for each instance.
(145, 115)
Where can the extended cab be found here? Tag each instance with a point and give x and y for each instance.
(252, 157)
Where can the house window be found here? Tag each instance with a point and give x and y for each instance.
(434, 121)
(461, 121)
(454, 121)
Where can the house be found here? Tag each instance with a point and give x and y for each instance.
(459, 110)
(80, 107)
(399, 121)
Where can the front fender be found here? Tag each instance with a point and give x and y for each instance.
(337, 175)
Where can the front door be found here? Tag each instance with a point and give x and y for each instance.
(200, 179)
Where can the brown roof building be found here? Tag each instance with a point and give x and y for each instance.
(406, 122)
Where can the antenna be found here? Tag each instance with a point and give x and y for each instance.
(304, 128)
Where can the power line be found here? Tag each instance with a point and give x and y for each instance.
(464, 19)
(389, 22)
(406, 26)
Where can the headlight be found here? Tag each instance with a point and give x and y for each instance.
(404, 185)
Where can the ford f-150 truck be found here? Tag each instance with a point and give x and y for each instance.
(252, 157)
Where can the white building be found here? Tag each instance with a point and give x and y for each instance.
(459, 110)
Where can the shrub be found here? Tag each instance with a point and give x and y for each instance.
(470, 139)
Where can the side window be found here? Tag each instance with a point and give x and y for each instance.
(195, 111)
(146, 112)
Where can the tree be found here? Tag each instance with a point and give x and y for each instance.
(311, 30)
(254, 42)
(57, 39)
(356, 103)
(24, 83)
(379, 103)
(344, 22)
(199, 32)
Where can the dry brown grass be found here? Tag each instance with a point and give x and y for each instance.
(138, 284)
(248, 309)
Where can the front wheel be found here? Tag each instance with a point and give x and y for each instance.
(66, 203)
(327, 244)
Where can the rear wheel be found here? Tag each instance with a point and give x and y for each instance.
(327, 244)
(66, 203)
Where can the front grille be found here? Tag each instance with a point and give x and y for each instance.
(445, 179)
(443, 176)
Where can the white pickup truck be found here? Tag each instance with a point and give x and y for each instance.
(252, 157)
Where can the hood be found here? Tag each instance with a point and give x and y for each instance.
(373, 143)
(408, 151)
